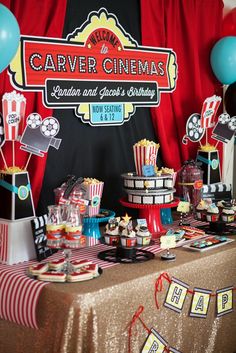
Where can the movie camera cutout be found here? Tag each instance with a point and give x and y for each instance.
(225, 128)
(40, 134)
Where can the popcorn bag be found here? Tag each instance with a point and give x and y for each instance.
(93, 192)
(145, 153)
(13, 109)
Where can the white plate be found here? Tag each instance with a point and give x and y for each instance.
(189, 247)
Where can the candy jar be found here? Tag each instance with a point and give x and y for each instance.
(73, 234)
(54, 227)
(73, 228)
(190, 181)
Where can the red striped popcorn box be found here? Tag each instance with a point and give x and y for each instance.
(16, 241)
(145, 153)
(93, 192)
(13, 109)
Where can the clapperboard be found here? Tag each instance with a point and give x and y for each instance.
(217, 192)
(40, 239)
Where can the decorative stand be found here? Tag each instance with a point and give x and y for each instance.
(125, 255)
(152, 214)
(91, 225)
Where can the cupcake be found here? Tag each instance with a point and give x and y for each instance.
(212, 213)
(112, 234)
(227, 215)
(128, 236)
(123, 224)
(201, 210)
(143, 235)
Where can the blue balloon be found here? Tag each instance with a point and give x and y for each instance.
(223, 60)
(9, 36)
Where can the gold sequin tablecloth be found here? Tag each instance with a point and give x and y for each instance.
(92, 317)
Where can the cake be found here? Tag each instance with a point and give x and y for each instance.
(201, 210)
(128, 236)
(92, 268)
(227, 215)
(156, 188)
(213, 213)
(76, 264)
(57, 264)
(37, 269)
(52, 276)
(143, 235)
(79, 276)
(112, 234)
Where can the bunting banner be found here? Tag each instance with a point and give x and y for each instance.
(201, 297)
(174, 300)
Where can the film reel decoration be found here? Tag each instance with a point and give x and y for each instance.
(194, 131)
(224, 118)
(50, 127)
(232, 124)
(34, 120)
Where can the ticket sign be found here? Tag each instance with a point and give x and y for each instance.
(224, 301)
(200, 302)
(176, 295)
(99, 70)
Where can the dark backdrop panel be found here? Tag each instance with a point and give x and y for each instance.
(100, 152)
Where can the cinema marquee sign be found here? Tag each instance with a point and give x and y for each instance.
(99, 70)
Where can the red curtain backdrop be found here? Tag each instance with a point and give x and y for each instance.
(36, 18)
(190, 28)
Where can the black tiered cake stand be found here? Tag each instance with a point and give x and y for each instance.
(125, 255)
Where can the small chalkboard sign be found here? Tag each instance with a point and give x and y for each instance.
(148, 170)
(40, 239)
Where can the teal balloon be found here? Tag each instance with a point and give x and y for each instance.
(9, 36)
(223, 60)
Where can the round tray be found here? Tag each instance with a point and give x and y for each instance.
(91, 224)
(125, 255)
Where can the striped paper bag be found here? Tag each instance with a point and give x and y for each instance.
(145, 153)
(93, 189)
(13, 111)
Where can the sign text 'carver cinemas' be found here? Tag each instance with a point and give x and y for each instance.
(89, 64)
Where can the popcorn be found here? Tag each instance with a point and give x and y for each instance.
(166, 170)
(91, 181)
(145, 142)
(145, 153)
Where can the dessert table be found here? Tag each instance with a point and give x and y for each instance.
(93, 316)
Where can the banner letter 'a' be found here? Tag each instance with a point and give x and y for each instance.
(176, 295)
(224, 301)
(200, 302)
